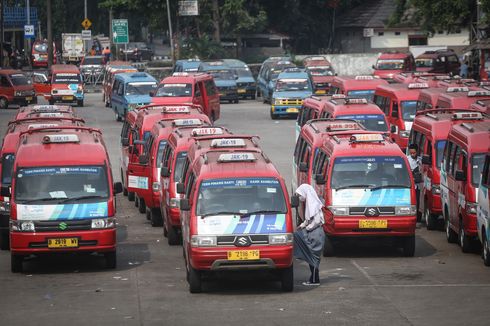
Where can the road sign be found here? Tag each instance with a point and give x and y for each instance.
(120, 31)
(29, 31)
(188, 8)
(87, 35)
(86, 23)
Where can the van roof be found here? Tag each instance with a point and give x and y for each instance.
(317, 129)
(128, 77)
(353, 83)
(185, 78)
(473, 134)
(147, 118)
(186, 136)
(463, 99)
(293, 75)
(401, 91)
(26, 110)
(394, 55)
(340, 145)
(89, 150)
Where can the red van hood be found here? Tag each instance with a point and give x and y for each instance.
(24, 87)
(322, 79)
(170, 100)
(386, 74)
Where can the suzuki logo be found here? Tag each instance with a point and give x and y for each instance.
(371, 211)
(242, 242)
(62, 226)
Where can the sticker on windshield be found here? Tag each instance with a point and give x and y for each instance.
(272, 190)
(58, 194)
(234, 224)
(397, 166)
(174, 85)
(88, 188)
(62, 212)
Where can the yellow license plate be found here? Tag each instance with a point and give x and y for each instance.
(29, 98)
(63, 243)
(321, 91)
(244, 255)
(373, 224)
(241, 91)
(292, 110)
(67, 98)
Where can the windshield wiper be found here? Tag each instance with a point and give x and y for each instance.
(389, 186)
(27, 201)
(264, 211)
(353, 186)
(221, 213)
(81, 198)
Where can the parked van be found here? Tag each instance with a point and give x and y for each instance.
(131, 90)
(245, 81)
(356, 86)
(186, 88)
(15, 89)
(63, 200)
(430, 131)
(269, 71)
(462, 100)
(224, 78)
(464, 156)
(391, 63)
(66, 85)
(439, 61)
(108, 72)
(483, 211)
(186, 65)
(321, 73)
(428, 97)
(292, 87)
(226, 193)
(399, 104)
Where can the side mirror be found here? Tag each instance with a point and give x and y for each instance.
(394, 114)
(143, 159)
(303, 167)
(180, 188)
(125, 142)
(294, 201)
(117, 187)
(152, 93)
(185, 205)
(426, 160)
(393, 129)
(5, 191)
(460, 175)
(373, 66)
(165, 172)
(319, 179)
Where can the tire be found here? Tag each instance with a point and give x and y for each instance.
(257, 94)
(273, 115)
(230, 101)
(16, 263)
(4, 240)
(125, 192)
(80, 103)
(485, 250)
(4, 104)
(235, 101)
(464, 240)
(117, 116)
(409, 246)
(194, 279)
(156, 217)
(253, 97)
(131, 196)
(173, 237)
(451, 236)
(148, 214)
(142, 206)
(110, 259)
(51, 102)
(328, 247)
(287, 279)
(430, 219)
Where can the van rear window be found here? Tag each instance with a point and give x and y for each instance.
(174, 90)
(368, 94)
(20, 79)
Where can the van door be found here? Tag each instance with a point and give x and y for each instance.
(139, 173)
(452, 184)
(199, 94)
(212, 99)
(117, 98)
(6, 91)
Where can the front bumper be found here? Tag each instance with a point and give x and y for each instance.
(246, 91)
(89, 241)
(23, 100)
(348, 226)
(285, 109)
(469, 224)
(215, 258)
(434, 203)
(67, 98)
(228, 96)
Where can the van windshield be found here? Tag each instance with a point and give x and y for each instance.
(320, 71)
(7, 167)
(288, 85)
(20, 80)
(372, 122)
(440, 152)
(174, 90)
(368, 94)
(389, 64)
(409, 108)
(424, 63)
(93, 61)
(66, 78)
(179, 166)
(48, 184)
(243, 72)
(223, 75)
(477, 162)
(241, 196)
(41, 47)
(141, 88)
(369, 172)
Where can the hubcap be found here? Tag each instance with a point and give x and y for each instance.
(461, 237)
(426, 213)
(485, 249)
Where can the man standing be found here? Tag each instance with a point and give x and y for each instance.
(415, 162)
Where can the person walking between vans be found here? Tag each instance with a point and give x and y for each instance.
(415, 162)
(310, 237)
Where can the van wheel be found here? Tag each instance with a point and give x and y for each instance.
(4, 104)
(4, 240)
(51, 102)
(173, 237)
(148, 214)
(486, 250)
(287, 279)
(110, 259)
(235, 101)
(253, 97)
(156, 217)
(464, 240)
(142, 206)
(409, 246)
(80, 103)
(328, 247)
(16, 263)
(257, 94)
(194, 279)
(131, 196)
(125, 189)
(451, 236)
(430, 219)
(273, 115)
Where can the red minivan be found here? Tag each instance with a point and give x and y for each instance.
(15, 89)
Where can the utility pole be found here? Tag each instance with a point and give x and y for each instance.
(50, 34)
(1, 33)
(217, 36)
(28, 47)
(171, 33)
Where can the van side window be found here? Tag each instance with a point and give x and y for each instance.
(333, 90)
(456, 152)
(452, 59)
(147, 146)
(319, 162)
(486, 173)
(189, 187)
(120, 89)
(298, 149)
(447, 155)
(428, 151)
(462, 162)
(125, 130)
(306, 154)
(4, 82)
(197, 91)
(413, 136)
(210, 88)
(421, 143)
(166, 156)
(394, 110)
(115, 86)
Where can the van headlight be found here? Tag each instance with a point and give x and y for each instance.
(174, 202)
(279, 239)
(155, 186)
(22, 226)
(471, 208)
(338, 210)
(203, 241)
(278, 101)
(4, 206)
(103, 223)
(404, 133)
(405, 210)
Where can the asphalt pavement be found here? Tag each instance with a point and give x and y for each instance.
(366, 283)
